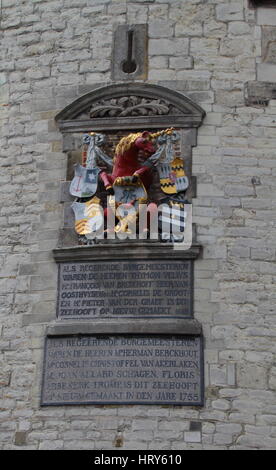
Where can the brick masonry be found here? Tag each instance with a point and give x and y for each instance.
(53, 52)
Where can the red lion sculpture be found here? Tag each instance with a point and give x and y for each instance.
(126, 163)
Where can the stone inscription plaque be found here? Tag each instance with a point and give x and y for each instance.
(129, 289)
(123, 370)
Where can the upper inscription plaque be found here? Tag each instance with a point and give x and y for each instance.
(129, 289)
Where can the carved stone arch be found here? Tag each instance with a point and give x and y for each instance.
(127, 106)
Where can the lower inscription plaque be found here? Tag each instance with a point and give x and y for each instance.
(123, 370)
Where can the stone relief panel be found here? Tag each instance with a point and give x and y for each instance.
(152, 163)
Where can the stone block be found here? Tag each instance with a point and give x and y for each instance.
(20, 438)
(248, 418)
(174, 47)
(266, 16)
(230, 98)
(5, 378)
(223, 405)
(265, 254)
(239, 252)
(4, 98)
(181, 62)
(239, 190)
(252, 376)
(266, 72)
(263, 430)
(215, 29)
(239, 28)
(27, 39)
(233, 47)
(265, 418)
(56, 444)
(180, 425)
(207, 47)
(206, 189)
(161, 74)
(272, 379)
(160, 29)
(158, 62)
(192, 436)
(223, 439)
(256, 441)
(229, 428)
(158, 11)
(230, 11)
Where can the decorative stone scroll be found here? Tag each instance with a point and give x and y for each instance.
(132, 106)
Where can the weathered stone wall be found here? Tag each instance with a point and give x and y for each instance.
(53, 51)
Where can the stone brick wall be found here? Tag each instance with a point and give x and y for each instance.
(52, 52)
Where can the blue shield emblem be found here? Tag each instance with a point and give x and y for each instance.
(127, 192)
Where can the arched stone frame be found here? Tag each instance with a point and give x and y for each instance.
(183, 112)
(107, 109)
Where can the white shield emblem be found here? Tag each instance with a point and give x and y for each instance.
(85, 181)
(89, 216)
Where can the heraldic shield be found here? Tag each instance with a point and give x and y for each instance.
(85, 181)
(89, 216)
(127, 192)
(128, 196)
(171, 219)
(172, 176)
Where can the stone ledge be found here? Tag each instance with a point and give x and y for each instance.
(31, 318)
(121, 250)
(133, 326)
